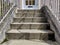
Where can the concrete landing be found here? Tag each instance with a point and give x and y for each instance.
(29, 42)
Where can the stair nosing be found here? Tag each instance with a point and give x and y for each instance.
(29, 31)
(28, 10)
(28, 23)
(29, 17)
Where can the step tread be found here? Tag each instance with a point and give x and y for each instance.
(27, 10)
(28, 23)
(29, 17)
(29, 31)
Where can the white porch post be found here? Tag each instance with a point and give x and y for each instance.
(39, 4)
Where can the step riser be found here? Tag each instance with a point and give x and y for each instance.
(20, 15)
(29, 11)
(29, 26)
(29, 15)
(29, 20)
(40, 36)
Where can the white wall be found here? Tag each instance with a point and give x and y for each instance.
(53, 5)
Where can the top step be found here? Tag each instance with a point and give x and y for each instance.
(28, 10)
(29, 13)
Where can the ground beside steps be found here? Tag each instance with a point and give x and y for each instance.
(29, 42)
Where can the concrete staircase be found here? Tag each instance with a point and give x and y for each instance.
(29, 25)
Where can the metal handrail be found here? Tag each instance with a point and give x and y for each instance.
(6, 14)
(6, 21)
(5, 6)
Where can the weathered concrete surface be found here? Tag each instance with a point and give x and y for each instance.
(29, 42)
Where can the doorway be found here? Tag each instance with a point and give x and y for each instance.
(30, 4)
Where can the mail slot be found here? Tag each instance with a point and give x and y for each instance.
(30, 6)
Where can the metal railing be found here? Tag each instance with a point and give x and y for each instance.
(5, 21)
(7, 10)
(4, 7)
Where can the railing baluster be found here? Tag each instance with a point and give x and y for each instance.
(4, 7)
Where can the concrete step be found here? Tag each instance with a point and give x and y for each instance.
(29, 15)
(29, 25)
(29, 11)
(20, 15)
(30, 19)
(29, 42)
(28, 34)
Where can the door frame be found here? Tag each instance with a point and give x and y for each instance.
(36, 6)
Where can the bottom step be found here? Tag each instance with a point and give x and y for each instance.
(28, 34)
(29, 42)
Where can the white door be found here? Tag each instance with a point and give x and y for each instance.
(29, 4)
